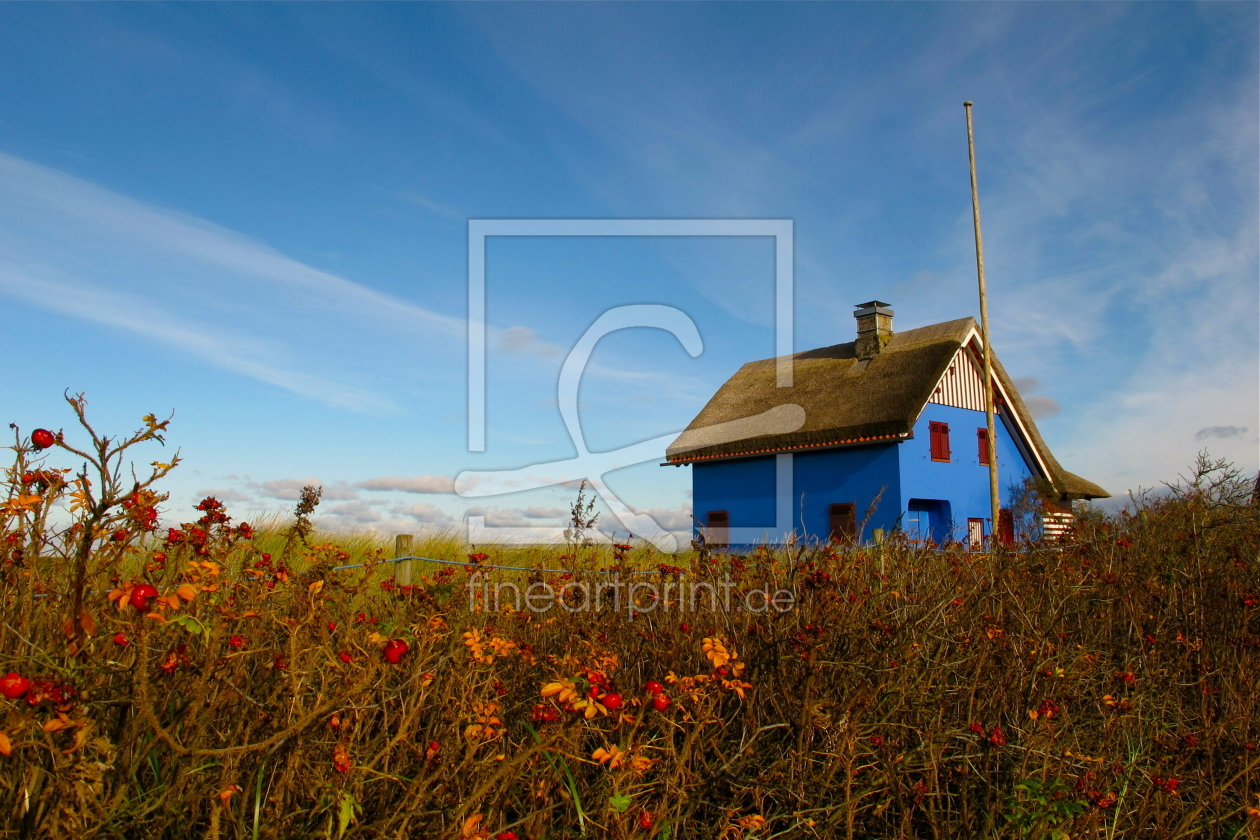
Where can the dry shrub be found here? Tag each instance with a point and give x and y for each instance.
(1100, 689)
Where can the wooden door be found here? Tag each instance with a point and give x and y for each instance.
(718, 528)
(842, 520)
(1006, 526)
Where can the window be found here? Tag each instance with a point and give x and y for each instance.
(718, 530)
(940, 440)
(842, 519)
(982, 446)
(975, 533)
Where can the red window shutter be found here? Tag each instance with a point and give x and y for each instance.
(940, 440)
(982, 443)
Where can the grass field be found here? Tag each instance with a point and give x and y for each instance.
(1105, 689)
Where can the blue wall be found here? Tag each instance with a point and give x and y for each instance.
(963, 482)
(918, 492)
(845, 475)
(744, 487)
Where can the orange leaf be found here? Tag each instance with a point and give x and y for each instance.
(186, 591)
(87, 622)
(80, 738)
(156, 617)
(470, 831)
(6, 746)
(226, 793)
(315, 587)
(57, 724)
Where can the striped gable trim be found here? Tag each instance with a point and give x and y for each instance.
(962, 384)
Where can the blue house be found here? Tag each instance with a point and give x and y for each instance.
(885, 432)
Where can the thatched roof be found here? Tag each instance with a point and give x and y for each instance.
(845, 402)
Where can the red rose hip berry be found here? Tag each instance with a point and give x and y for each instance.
(395, 650)
(13, 685)
(141, 594)
(42, 438)
(660, 702)
(654, 687)
(611, 701)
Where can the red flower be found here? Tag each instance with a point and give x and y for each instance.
(345, 657)
(877, 741)
(997, 738)
(236, 642)
(120, 639)
(977, 728)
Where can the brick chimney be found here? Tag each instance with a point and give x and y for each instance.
(874, 328)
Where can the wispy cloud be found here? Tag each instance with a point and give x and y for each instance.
(413, 484)
(82, 251)
(1222, 432)
(290, 489)
(438, 208)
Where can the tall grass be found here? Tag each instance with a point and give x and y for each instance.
(1105, 689)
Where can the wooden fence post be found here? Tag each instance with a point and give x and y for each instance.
(402, 570)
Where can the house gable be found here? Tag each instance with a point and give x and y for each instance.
(961, 385)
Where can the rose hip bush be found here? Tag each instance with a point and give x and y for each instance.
(207, 678)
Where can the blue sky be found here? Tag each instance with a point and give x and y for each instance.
(256, 216)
